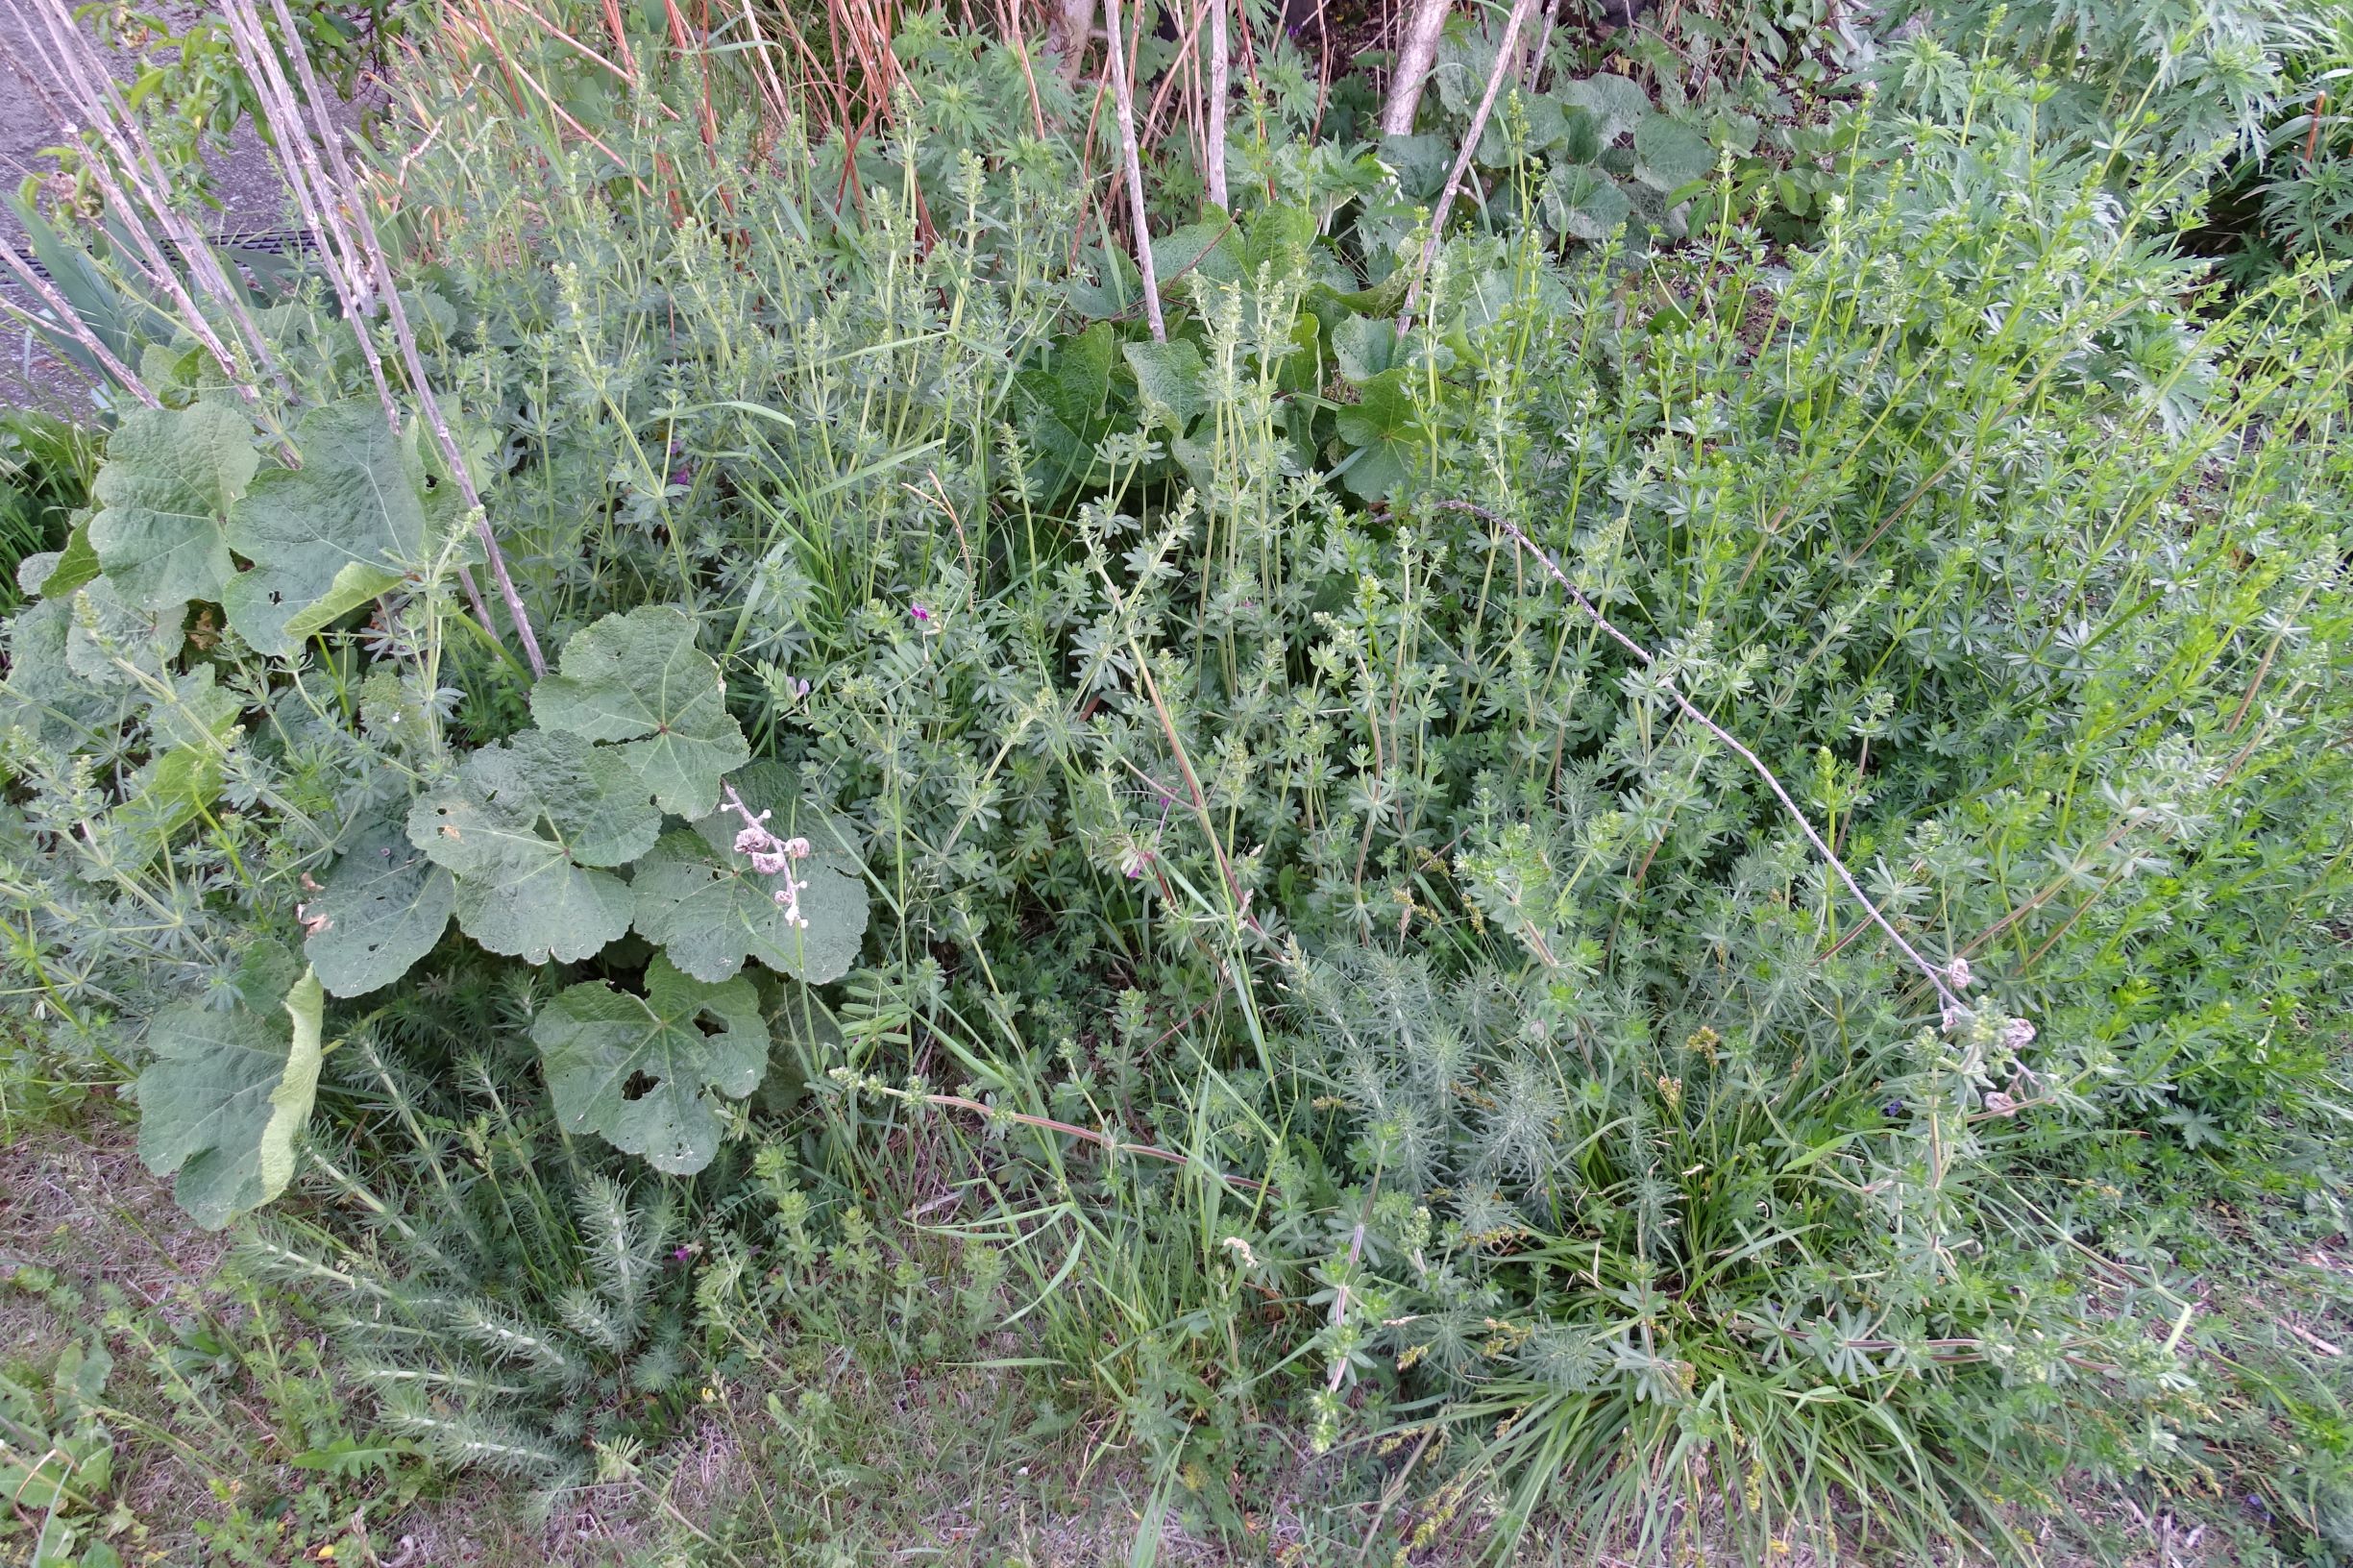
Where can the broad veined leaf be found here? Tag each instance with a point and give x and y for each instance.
(109, 634)
(1419, 163)
(1363, 346)
(1168, 375)
(382, 909)
(641, 1071)
(171, 476)
(55, 574)
(709, 910)
(1121, 287)
(640, 680)
(1616, 103)
(225, 1099)
(43, 693)
(1583, 203)
(1385, 427)
(327, 537)
(1670, 153)
(526, 827)
(1207, 247)
(1064, 406)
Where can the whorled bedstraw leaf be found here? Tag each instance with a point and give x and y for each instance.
(382, 909)
(639, 679)
(170, 478)
(704, 905)
(526, 827)
(225, 1098)
(640, 1070)
(327, 537)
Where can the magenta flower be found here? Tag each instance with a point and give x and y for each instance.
(919, 613)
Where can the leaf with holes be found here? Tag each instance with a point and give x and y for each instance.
(640, 680)
(641, 1071)
(222, 1102)
(327, 537)
(528, 827)
(171, 476)
(704, 905)
(382, 909)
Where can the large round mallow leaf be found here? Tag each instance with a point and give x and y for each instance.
(639, 679)
(224, 1098)
(701, 902)
(527, 828)
(642, 1071)
(381, 909)
(330, 535)
(163, 497)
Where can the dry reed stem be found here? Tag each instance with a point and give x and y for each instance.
(1123, 107)
(1505, 53)
(69, 321)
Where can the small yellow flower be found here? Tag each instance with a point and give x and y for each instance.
(709, 1394)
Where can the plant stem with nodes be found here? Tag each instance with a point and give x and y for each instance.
(1936, 977)
(1100, 1139)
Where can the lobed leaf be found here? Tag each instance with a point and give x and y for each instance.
(701, 901)
(171, 476)
(641, 1071)
(327, 537)
(639, 679)
(526, 828)
(382, 908)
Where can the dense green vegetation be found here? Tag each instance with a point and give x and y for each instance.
(842, 806)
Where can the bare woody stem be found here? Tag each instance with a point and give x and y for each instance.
(1123, 108)
(73, 60)
(69, 321)
(1416, 52)
(349, 205)
(1213, 150)
(1100, 1139)
(1934, 975)
(298, 149)
(1505, 54)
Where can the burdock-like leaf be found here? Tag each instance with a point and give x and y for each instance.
(703, 904)
(1670, 153)
(382, 909)
(224, 1099)
(525, 827)
(170, 478)
(638, 678)
(640, 1070)
(327, 537)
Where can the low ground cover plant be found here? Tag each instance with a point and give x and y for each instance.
(1620, 871)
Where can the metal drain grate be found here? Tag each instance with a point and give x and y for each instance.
(280, 242)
